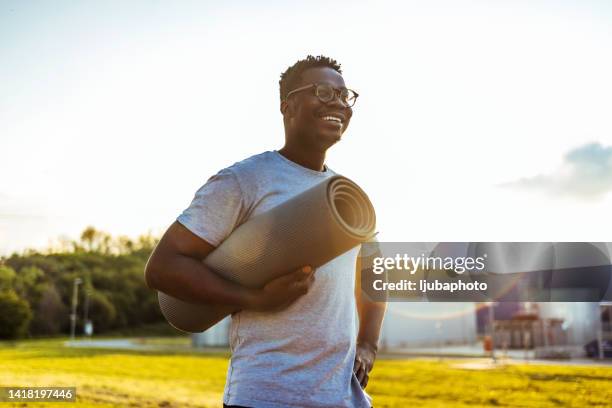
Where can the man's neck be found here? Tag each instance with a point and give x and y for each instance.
(311, 160)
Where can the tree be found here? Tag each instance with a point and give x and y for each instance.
(15, 315)
(50, 313)
(101, 311)
(28, 283)
(7, 277)
(111, 266)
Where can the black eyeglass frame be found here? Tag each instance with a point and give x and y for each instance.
(337, 93)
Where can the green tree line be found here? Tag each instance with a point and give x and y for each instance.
(36, 287)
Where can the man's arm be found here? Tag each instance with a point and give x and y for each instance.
(371, 316)
(176, 268)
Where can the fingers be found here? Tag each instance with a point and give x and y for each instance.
(304, 273)
(281, 292)
(361, 369)
(363, 376)
(304, 277)
(356, 365)
(301, 287)
(295, 276)
(358, 368)
(360, 374)
(296, 284)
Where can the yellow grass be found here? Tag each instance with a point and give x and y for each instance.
(111, 378)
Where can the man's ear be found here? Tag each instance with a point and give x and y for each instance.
(284, 106)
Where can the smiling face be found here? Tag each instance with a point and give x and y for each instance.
(310, 123)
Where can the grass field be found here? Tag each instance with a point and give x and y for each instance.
(111, 378)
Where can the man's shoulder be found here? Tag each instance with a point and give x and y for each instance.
(253, 164)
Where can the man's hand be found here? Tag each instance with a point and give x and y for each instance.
(364, 361)
(281, 292)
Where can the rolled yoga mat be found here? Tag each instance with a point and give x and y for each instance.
(311, 228)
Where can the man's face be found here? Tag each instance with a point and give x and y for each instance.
(309, 118)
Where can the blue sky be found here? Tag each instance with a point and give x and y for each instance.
(112, 114)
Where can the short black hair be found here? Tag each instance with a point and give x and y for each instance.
(292, 76)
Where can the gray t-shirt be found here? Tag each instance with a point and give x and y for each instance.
(302, 356)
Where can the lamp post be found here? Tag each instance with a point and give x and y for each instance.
(75, 300)
(87, 325)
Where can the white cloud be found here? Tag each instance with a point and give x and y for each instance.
(586, 172)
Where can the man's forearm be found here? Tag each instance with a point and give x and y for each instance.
(188, 279)
(371, 315)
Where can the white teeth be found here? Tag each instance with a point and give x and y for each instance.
(333, 118)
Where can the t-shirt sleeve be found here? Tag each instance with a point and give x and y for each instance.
(217, 208)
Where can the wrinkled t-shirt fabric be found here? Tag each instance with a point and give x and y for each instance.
(301, 356)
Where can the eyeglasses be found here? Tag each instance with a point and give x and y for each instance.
(327, 93)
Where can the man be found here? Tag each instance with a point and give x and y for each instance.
(294, 342)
